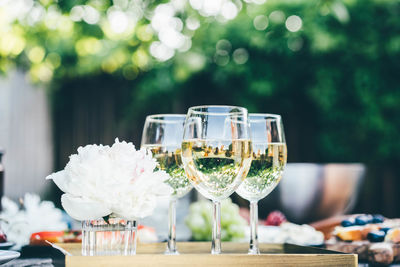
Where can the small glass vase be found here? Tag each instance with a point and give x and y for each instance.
(115, 237)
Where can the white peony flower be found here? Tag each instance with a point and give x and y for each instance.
(36, 216)
(103, 180)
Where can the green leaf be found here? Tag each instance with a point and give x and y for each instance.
(106, 219)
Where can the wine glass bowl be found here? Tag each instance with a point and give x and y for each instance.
(162, 135)
(216, 168)
(216, 154)
(269, 157)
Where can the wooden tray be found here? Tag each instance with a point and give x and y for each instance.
(198, 254)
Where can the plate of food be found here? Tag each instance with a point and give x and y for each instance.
(374, 238)
(8, 255)
(276, 229)
(145, 234)
(4, 243)
(39, 238)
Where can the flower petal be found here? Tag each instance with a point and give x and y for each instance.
(60, 180)
(82, 209)
(135, 210)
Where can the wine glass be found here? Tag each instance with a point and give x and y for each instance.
(162, 135)
(216, 154)
(269, 160)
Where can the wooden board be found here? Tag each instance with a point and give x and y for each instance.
(198, 254)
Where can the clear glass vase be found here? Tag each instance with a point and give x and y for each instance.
(114, 237)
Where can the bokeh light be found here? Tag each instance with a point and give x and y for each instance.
(277, 16)
(36, 54)
(90, 15)
(293, 23)
(223, 45)
(192, 23)
(260, 22)
(221, 57)
(295, 44)
(161, 51)
(240, 56)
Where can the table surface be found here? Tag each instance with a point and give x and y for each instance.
(47, 257)
(198, 254)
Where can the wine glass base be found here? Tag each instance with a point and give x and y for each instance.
(168, 252)
(253, 252)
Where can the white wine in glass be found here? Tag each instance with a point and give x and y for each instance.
(216, 167)
(216, 154)
(267, 166)
(169, 159)
(162, 135)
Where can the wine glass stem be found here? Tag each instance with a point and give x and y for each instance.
(216, 231)
(171, 245)
(254, 228)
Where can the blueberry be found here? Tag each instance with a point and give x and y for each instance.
(377, 218)
(376, 236)
(369, 218)
(385, 229)
(363, 219)
(347, 223)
